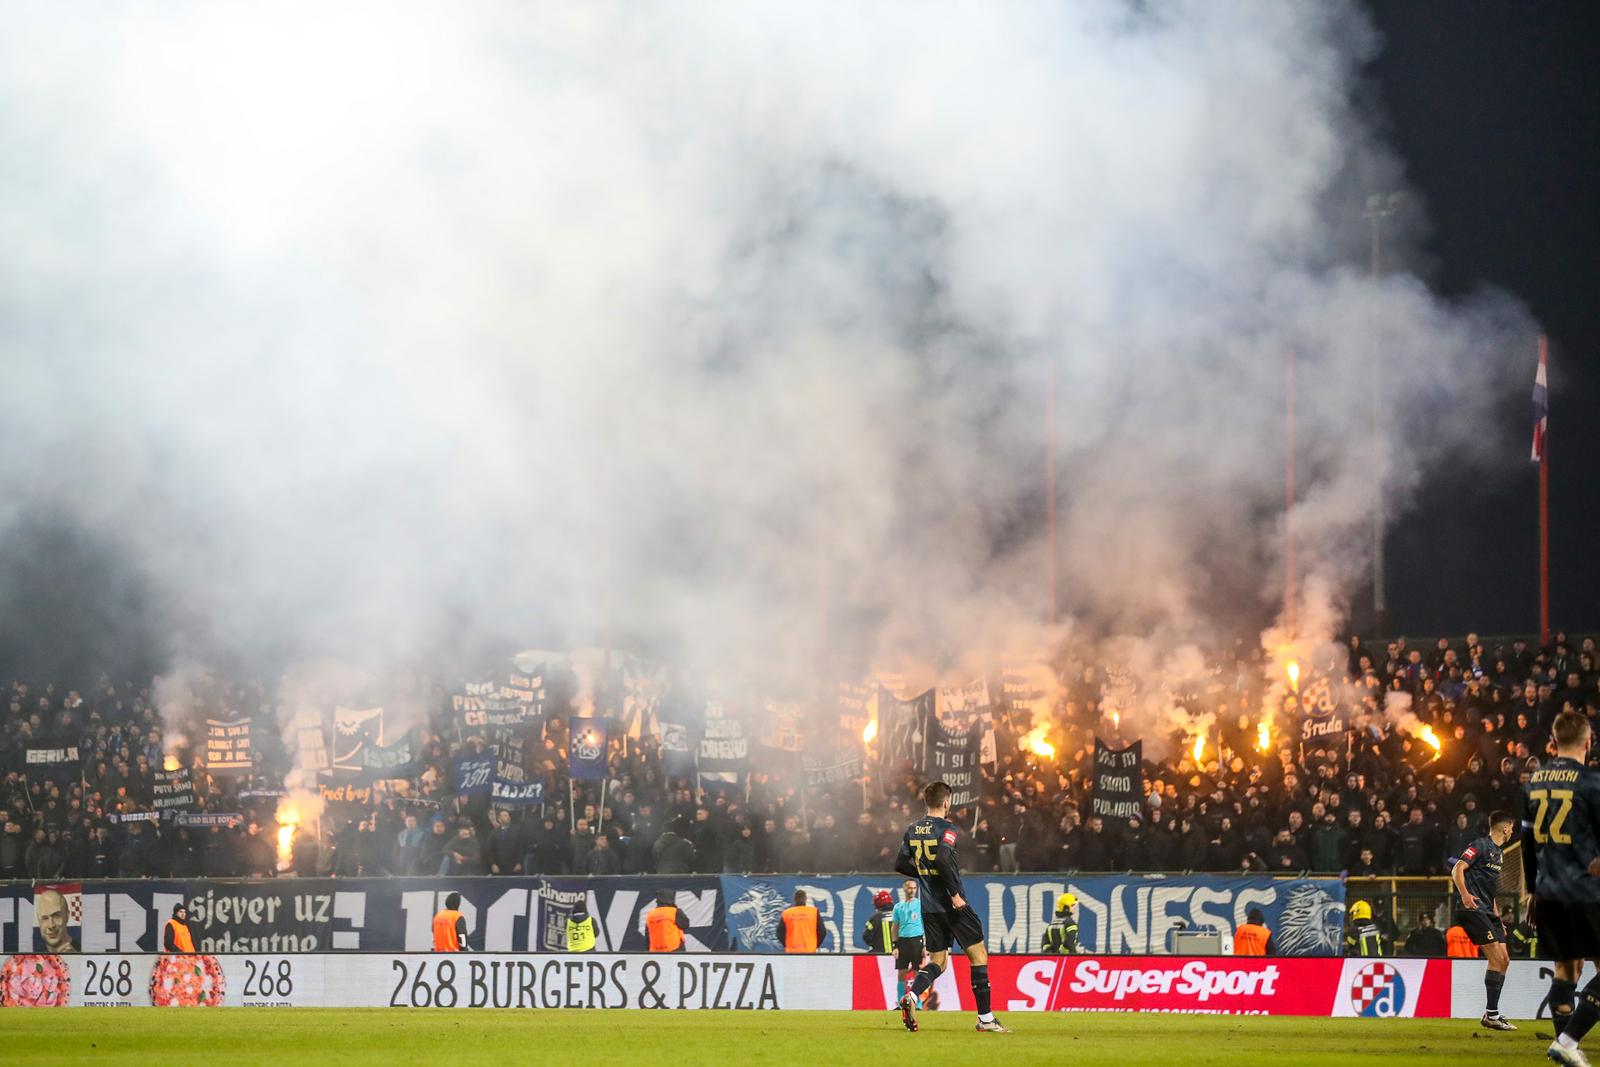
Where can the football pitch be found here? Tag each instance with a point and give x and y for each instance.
(245, 1036)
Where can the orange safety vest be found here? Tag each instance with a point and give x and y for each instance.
(1251, 940)
(444, 932)
(1457, 945)
(662, 925)
(180, 935)
(800, 928)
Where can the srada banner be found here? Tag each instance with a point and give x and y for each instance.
(1127, 915)
(1117, 915)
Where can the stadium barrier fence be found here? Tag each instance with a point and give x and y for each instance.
(1117, 914)
(1315, 987)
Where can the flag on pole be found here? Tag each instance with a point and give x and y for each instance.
(1541, 408)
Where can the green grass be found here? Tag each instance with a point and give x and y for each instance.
(239, 1037)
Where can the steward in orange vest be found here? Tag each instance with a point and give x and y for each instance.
(802, 926)
(175, 938)
(1458, 944)
(1253, 938)
(450, 927)
(665, 924)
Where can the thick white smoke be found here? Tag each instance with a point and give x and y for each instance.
(359, 327)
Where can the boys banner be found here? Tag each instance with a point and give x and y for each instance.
(1118, 782)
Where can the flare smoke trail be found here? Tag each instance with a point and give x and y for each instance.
(358, 329)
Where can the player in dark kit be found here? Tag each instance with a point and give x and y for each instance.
(1561, 860)
(928, 854)
(1475, 875)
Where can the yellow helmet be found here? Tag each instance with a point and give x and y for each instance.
(1065, 902)
(1361, 910)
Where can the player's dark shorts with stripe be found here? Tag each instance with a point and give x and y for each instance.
(1568, 930)
(946, 928)
(908, 953)
(1483, 928)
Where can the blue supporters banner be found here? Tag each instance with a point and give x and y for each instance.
(588, 741)
(754, 903)
(474, 775)
(1117, 915)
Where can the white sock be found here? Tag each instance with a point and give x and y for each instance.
(1566, 1041)
(987, 1017)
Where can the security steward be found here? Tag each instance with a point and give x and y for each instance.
(665, 924)
(450, 927)
(1521, 938)
(580, 931)
(175, 938)
(1061, 936)
(1253, 938)
(1362, 936)
(802, 925)
(879, 931)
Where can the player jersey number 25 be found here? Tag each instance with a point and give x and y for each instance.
(1562, 799)
(925, 854)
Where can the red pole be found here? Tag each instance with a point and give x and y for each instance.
(1288, 494)
(1544, 515)
(1050, 487)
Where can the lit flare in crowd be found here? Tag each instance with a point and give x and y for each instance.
(169, 762)
(1034, 741)
(1432, 740)
(1263, 734)
(869, 732)
(1199, 749)
(288, 820)
(1293, 668)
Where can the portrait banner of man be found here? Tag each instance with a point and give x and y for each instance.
(58, 911)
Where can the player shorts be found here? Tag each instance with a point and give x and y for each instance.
(907, 953)
(1483, 928)
(1568, 930)
(944, 929)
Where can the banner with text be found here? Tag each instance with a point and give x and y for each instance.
(1118, 783)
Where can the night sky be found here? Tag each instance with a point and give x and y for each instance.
(1495, 109)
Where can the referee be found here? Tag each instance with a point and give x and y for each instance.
(907, 935)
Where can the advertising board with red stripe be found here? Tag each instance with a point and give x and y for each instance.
(1220, 985)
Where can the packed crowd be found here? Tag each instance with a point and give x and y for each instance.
(1370, 797)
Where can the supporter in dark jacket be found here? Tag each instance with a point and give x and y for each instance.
(673, 853)
(1425, 940)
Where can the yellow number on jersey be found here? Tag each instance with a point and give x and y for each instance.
(1563, 799)
(924, 850)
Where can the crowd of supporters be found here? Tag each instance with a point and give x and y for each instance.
(1372, 797)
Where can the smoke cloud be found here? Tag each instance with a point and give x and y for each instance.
(375, 330)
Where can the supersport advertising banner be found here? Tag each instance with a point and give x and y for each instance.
(1215, 985)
